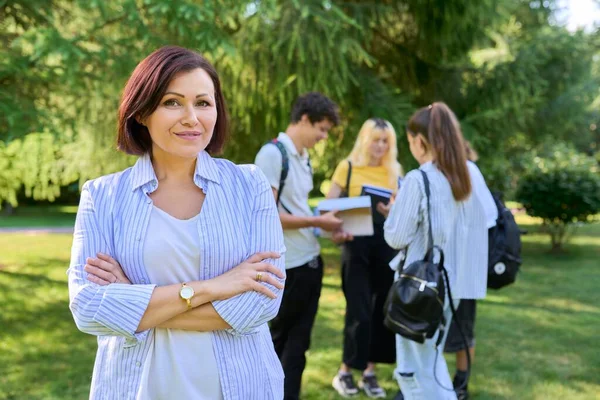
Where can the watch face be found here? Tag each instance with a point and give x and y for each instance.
(187, 292)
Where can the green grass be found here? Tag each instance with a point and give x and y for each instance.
(536, 340)
(39, 216)
(42, 354)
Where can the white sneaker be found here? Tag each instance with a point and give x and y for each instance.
(369, 384)
(344, 385)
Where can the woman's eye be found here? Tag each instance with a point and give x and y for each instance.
(203, 103)
(171, 102)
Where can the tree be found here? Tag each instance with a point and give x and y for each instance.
(512, 78)
(562, 188)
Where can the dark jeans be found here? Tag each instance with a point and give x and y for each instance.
(292, 327)
(366, 280)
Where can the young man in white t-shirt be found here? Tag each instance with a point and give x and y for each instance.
(312, 116)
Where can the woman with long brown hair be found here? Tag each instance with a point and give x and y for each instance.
(456, 217)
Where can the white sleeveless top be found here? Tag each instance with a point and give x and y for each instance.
(180, 364)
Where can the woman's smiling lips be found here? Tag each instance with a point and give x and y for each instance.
(189, 135)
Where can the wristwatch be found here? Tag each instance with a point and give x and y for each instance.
(186, 293)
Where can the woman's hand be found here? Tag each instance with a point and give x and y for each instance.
(339, 236)
(105, 270)
(248, 276)
(384, 208)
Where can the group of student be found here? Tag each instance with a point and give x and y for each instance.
(459, 224)
(201, 278)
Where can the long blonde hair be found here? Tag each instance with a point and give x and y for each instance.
(359, 156)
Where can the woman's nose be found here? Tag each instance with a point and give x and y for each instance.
(189, 118)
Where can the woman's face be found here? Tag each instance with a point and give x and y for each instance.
(184, 121)
(379, 146)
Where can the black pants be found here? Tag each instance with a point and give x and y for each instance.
(292, 327)
(465, 321)
(366, 280)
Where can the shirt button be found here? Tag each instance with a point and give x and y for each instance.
(139, 238)
(138, 364)
(149, 201)
(143, 281)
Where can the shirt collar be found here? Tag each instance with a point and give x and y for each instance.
(426, 166)
(290, 146)
(143, 171)
(206, 167)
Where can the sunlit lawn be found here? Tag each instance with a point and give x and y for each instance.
(39, 216)
(536, 340)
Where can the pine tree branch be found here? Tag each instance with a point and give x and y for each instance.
(401, 48)
(103, 25)
(89, 33)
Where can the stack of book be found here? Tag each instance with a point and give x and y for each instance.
(377, 195)
(355, 212)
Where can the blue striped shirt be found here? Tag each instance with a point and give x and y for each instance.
(239, 218)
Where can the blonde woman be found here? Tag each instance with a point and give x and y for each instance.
(366, 276)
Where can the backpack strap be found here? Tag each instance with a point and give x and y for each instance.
(285, 167)
(429, 231)
(347, 192)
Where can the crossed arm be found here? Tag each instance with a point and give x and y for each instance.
(167, 310)
(102, 307)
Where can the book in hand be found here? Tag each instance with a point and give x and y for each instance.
(378, 195)
(355, 212)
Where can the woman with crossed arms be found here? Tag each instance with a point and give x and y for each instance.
(176, 262)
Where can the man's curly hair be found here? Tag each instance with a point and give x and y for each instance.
(317, 107)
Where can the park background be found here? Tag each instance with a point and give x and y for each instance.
(522, 76)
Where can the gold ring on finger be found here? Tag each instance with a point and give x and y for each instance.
(259, 276)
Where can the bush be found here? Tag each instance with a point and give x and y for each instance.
(562, 190)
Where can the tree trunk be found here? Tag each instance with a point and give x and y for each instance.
(558, 236)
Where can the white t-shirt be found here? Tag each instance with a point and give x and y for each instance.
(180, 364)
(301, 244)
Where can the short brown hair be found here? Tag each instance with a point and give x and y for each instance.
(148, 84)
(317, 107)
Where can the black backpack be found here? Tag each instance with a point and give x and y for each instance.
(285, 166)
(285, 169)
(504, 243)
(415, 303)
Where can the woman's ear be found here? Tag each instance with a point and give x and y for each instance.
(423, 144)
(139, 121)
